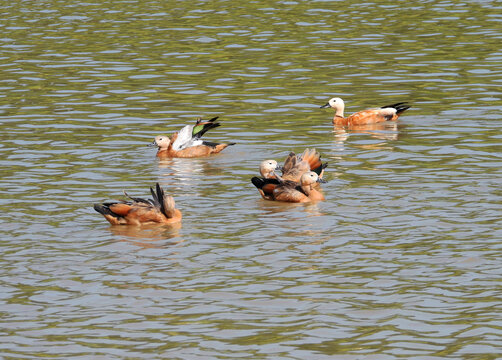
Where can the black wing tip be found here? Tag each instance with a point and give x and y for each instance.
(199, 119)
(136, 199)
(400, 106)
(404, 108)
(160, 191)
(154, 195)
(318, 170)
(156, 201)
(102, 209)
(210, 144)
(258, 182)
(160, 198)
(261, 182)
(98, 208)
(206, 128)
(393, 105)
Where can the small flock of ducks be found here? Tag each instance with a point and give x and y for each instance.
(299, 182)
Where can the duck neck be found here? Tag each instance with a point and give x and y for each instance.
(339, 111)
(307, 189)
(266, 174)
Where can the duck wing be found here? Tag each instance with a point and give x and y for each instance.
(184, 138)
(201, 127)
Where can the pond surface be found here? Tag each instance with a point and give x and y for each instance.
(402, 260)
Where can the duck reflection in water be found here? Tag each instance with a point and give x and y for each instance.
(189, 175)
(383, 131)
(276, 207)
(149, 236)
(184, 168)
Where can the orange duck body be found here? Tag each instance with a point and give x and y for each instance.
(370, 116)
(159, 210)
(205, 149)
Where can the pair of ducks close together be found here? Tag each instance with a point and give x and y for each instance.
(299, 181)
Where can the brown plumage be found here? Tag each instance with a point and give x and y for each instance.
(187, 143)
(159, 210)
(370, 116)
(294, 166)
(289, 191)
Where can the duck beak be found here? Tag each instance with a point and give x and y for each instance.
(321, 181)
(154, 143)
(279, 168)
(327, 105)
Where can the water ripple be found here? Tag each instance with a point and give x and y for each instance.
(401, 261)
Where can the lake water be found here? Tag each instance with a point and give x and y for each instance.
(402, 260)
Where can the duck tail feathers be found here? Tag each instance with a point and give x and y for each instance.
(400, 107)
(312, 157)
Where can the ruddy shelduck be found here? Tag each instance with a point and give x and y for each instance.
(294, 166)
(187, 143)
(370, 116)
(289, 191)
(159, 210)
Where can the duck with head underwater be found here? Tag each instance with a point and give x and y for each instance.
(161, 209)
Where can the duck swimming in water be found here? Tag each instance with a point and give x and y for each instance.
(370, 116)
(187, 142)
(159, 210)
